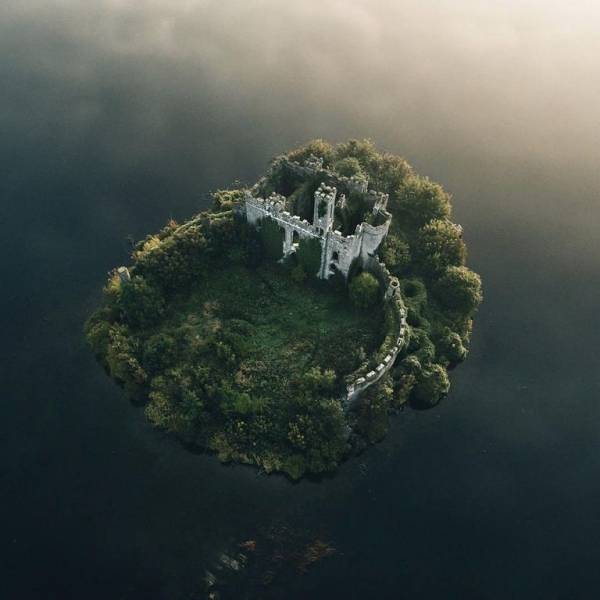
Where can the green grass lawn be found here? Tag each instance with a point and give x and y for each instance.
(279, 329)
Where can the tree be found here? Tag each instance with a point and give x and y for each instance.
(364, 290)
(141, 303)
(439, 244)
(309, 255)
(395, 253)
(363, 150)
(348, 167)
(227, 199)
(271, 236)
(459, 289)
(318, 380)
(449, 347)
(387, 173)
(419, 200)
(318, 148)
(432, 384)
(122, 361)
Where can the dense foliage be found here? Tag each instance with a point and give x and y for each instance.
(364, 290)
(236, 353)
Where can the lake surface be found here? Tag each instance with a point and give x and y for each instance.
(116, 116)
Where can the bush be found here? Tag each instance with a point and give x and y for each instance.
(459, 289)
(364, 290)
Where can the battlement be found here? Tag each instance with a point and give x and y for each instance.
(338, 251)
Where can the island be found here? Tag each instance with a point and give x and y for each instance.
(284, 325)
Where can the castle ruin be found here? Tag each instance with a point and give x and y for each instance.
(338, 252)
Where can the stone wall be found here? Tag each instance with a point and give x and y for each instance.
(338, 251)
(359, 382)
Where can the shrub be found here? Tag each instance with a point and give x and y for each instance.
(364, 290)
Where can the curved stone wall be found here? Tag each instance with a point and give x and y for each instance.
(359, 381)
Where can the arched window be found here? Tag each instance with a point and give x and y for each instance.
(335, 257)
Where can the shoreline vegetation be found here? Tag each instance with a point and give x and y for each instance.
(245, 355)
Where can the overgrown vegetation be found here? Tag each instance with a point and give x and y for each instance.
(238, 354)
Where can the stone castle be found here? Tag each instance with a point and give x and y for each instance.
(338, 252)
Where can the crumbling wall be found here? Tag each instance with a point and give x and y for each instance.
(359, 382)
(338, 251)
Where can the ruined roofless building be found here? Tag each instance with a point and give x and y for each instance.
(338, 251)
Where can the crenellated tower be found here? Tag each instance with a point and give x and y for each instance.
(324, 208)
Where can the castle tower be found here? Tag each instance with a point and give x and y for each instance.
(324, 208)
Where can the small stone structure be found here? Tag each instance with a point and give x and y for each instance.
(338, 252)
(123, 273)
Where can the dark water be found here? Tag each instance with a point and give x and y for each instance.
(116, 116)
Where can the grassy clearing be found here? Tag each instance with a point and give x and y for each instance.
(278, 327)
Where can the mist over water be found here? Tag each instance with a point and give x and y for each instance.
(117, 115)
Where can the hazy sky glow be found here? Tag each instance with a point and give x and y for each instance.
(513, 77)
